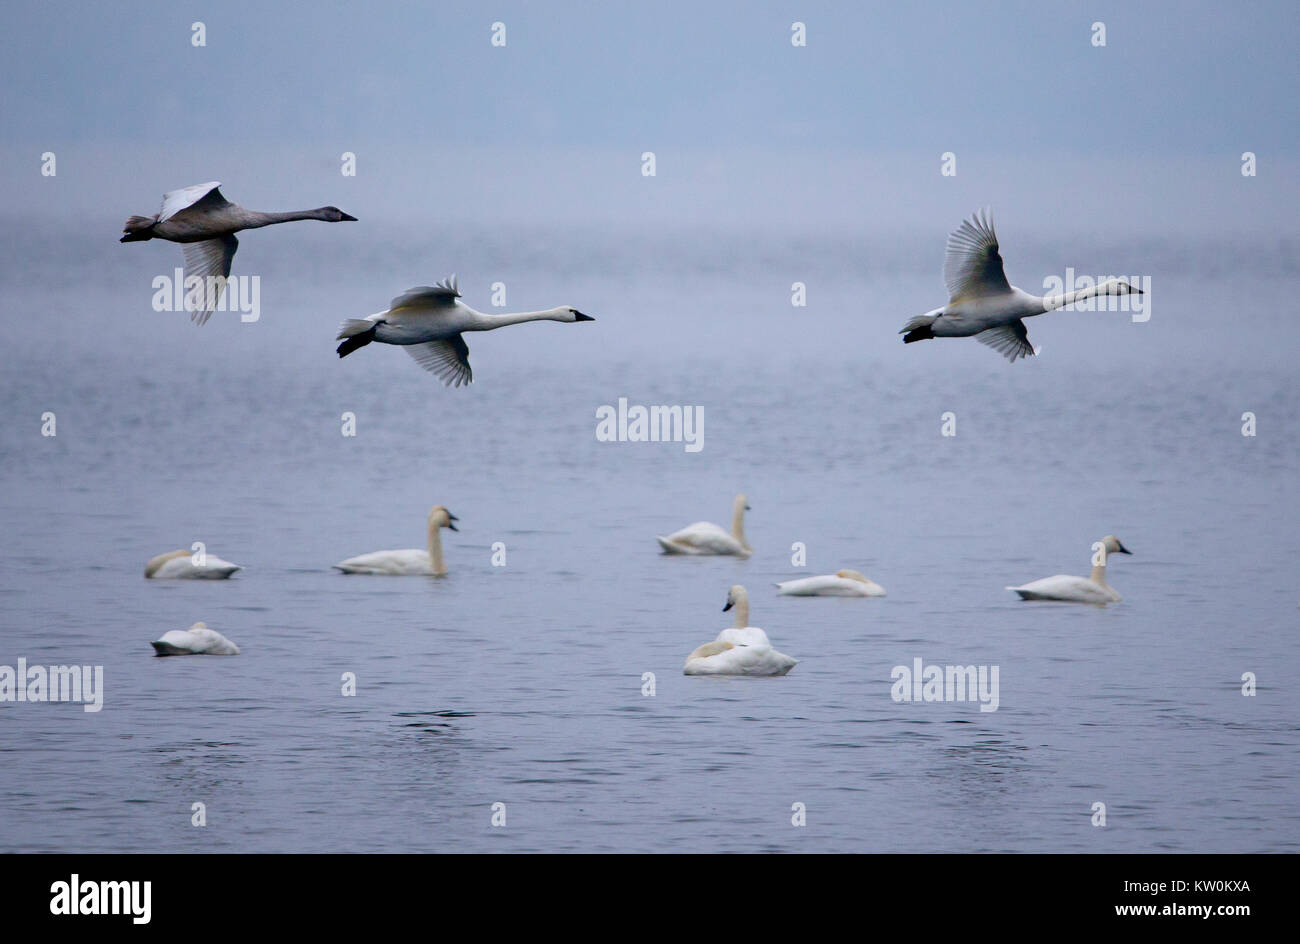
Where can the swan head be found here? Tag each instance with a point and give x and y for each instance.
(736, 596)
(1113, 546)
(440, 517)
(741, 503)
(851, 575)
(335, 215)
(199, 625)
(572, 314)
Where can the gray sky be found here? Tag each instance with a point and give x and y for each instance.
(747, 129)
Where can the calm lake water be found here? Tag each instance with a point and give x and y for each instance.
(522, 684)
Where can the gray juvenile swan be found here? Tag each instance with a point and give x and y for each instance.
(429, 321)
(983, 304)
(205, 223)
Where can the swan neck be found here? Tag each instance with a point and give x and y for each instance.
(1098, 575)
(738, 525)
(255, 218)
(486, 322)
(435, 550)
(742, 613)
(1053, 302)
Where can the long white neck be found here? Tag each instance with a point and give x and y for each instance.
(1108, 287)
(435, 550)
(741, 607)
(1098, 575)
(485, 322)
(738, 526)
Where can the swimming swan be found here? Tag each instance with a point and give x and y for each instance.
(740, 650)
(1091, 589)
(198, 640)
(704, 537)
(429, 320)
(205, 223)
(179, 565)
(407, 563)
(842, 583)
(982, 303)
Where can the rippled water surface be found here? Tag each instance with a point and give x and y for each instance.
(522, 684)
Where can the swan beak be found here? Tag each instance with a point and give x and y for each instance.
(452, 525)
(727, 607)
(579, 316)
(1125, 550)
(347, 218)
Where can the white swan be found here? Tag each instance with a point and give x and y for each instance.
(982, 303)
(198, 640)
(205, 223)
(429, 321)
(740, 650)
(407, 563)
(705, 537)
(179, 565)
(842, 583)
(1091, 589)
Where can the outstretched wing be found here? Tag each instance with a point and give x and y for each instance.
(448, 359)
(440, 295)
(972, 266)
(202, 196)
(210, 261)
(1011, 341)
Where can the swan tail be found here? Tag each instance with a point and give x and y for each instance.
(919, 328)
(354, 333)
(137, 229)
(668, 546)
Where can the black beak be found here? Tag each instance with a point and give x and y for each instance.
(450, 519)
(579, 316)
(727, 607)
(347, 218)
(1125, 550)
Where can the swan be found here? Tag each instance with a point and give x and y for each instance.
(1090, 589)
(198, 640)
(429, 321)
(179, 565)
(407, 563)
(704, 537)
(982, 303)
(205, 223)
(740, 650)
(842, 583)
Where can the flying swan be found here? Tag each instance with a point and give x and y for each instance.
(205, 223)
(982, 304)
(179, 565)
(407, 563)
(740, 650)
(1090, 589)
(705, 537)
(429, 321)
(842, 583)
(198, 640)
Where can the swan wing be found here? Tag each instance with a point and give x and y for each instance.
(209, 259)
(704, 537)
(1010, 340)
(1063, 587)
(441, 295)
(448, 359)
(749, 636)
(972, 266)
(200, 196)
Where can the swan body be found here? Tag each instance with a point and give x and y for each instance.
(983, 304)
(1066, 589)
(198, 640)
(179, 565)
(739, 650)
(407, 563)
(842, 583)
(205, 223)
(704, 537)
(430, 321)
